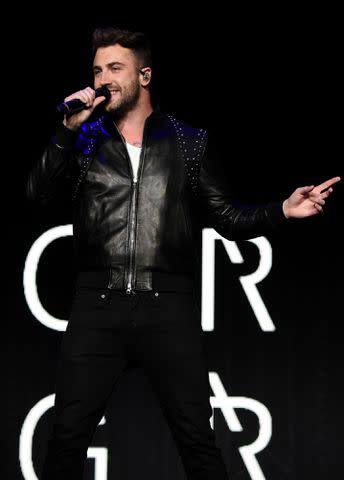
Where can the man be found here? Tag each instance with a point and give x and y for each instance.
(142, 182)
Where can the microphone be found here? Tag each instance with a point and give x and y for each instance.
(76, 105)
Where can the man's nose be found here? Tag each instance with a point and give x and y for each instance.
(104, 79)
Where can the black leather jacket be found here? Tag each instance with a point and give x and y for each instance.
(140, 232)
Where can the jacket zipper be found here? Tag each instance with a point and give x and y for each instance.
(132, 235)
(129, 289)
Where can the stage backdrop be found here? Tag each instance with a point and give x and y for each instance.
(271, 306)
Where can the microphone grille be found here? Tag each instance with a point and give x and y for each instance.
(103, 92)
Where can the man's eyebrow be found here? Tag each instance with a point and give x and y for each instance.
(109, 65)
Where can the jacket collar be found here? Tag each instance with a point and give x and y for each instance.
(93, 134)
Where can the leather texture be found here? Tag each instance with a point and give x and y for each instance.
(136, 229)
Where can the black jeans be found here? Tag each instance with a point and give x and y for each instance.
(162, 332)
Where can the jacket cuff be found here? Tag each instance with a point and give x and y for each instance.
(275, 215)
(65, 137)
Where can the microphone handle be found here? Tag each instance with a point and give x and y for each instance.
(76, 105)
(72, 106)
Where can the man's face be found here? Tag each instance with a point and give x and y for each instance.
(117, 68)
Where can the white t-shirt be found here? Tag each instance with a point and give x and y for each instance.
(134, 154)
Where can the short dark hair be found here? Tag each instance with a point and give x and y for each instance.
(135, 41)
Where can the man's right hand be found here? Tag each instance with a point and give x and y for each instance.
(87, 96)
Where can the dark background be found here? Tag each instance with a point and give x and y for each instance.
(267, 84)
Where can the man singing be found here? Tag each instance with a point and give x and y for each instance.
(143, 182)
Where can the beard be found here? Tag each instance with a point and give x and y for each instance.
(128, 100)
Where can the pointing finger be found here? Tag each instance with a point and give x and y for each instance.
(325, 185)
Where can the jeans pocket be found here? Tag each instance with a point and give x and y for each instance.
(88, 297)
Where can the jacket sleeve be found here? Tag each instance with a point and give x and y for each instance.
(54, 170)
(233, 222)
